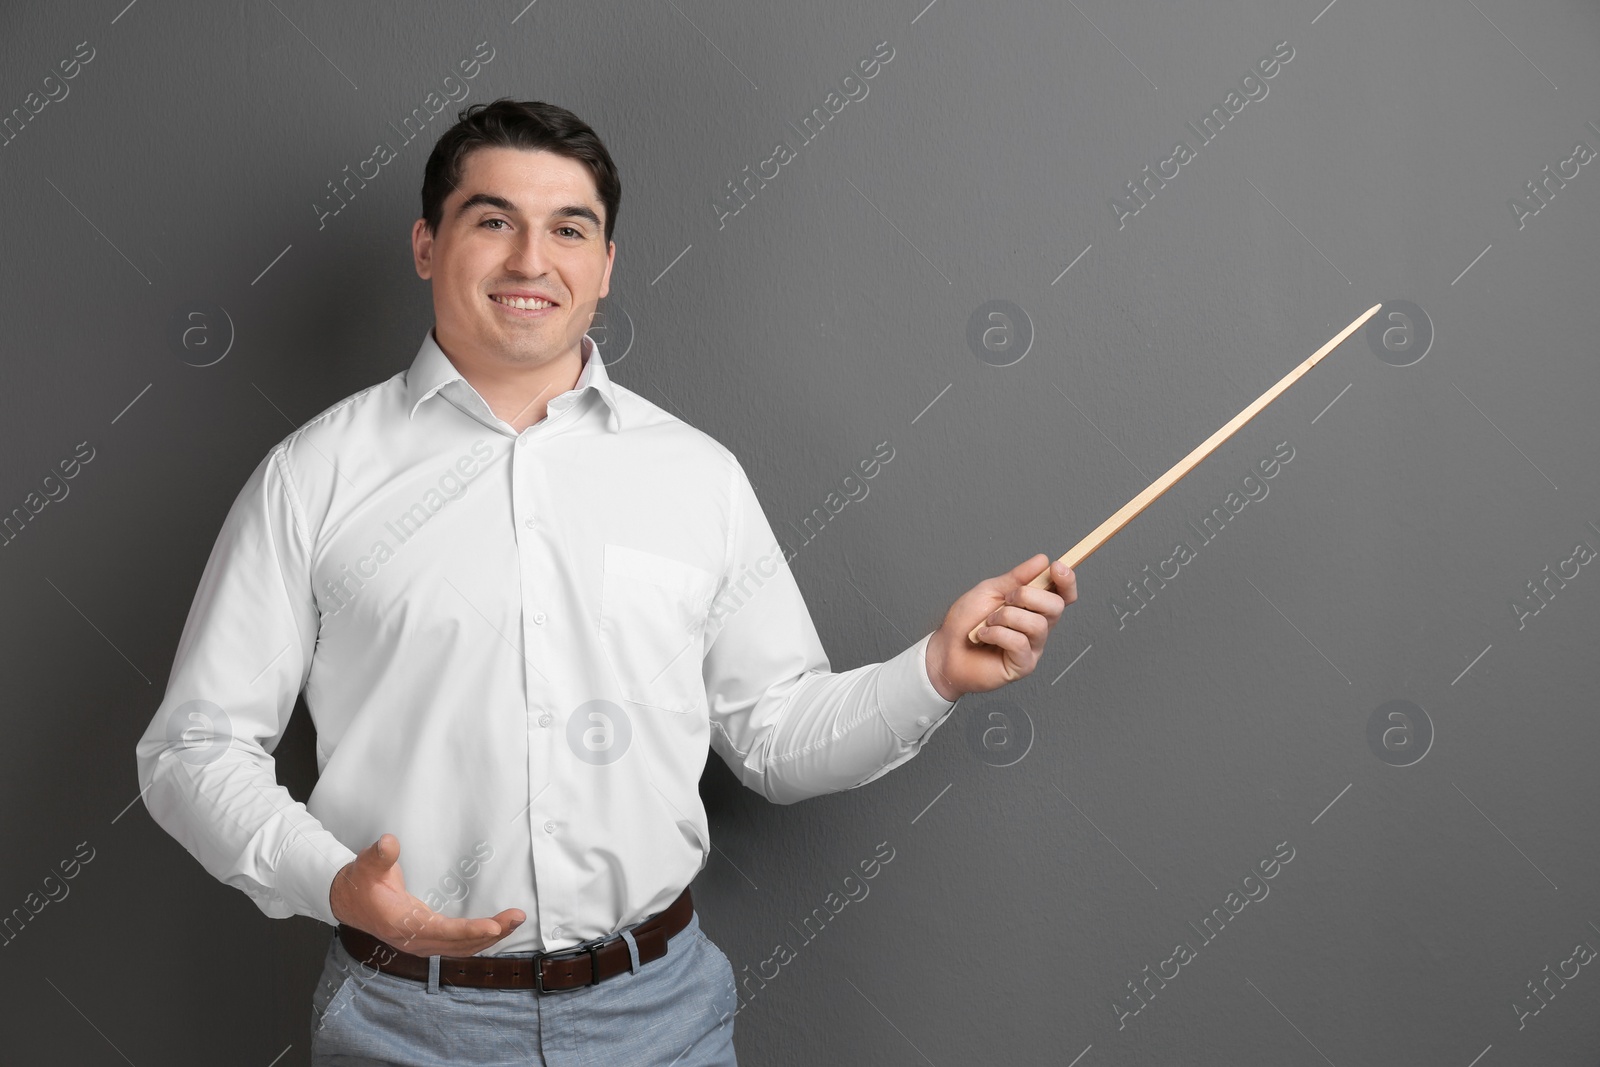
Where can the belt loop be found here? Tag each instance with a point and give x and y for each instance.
(433, 974)
(633, 950)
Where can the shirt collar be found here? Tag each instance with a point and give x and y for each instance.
(432, 370)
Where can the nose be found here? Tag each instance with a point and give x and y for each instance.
(526, 254)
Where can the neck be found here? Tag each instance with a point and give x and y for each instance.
(519, 394)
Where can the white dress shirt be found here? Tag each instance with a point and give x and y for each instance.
(515, 649)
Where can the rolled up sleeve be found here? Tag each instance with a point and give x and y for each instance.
(205, 761)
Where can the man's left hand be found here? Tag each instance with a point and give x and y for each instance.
(1019, 618)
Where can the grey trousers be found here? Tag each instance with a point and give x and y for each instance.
(676, 1011)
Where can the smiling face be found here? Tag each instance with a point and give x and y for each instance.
(521, 227)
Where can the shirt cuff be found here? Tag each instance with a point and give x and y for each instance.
(907, 700)
(305, 879)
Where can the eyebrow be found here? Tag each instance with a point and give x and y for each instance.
(570, 211)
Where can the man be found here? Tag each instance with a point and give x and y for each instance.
(523, 603)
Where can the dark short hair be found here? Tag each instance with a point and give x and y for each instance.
(527, 124)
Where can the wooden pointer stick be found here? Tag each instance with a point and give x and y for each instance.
(1102, 533)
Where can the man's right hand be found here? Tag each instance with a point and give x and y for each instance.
(369, 893)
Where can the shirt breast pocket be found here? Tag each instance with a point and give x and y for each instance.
(652, 612)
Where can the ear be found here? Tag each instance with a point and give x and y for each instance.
(422, 248)
(611, 259)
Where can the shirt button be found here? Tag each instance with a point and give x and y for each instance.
(555, 931)
(550, 827)
(538, 617)
(531, 524)
(544, 720)
(922, 720)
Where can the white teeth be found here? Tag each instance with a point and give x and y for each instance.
(522, 302)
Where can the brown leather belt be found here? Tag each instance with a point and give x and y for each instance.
(571, 968)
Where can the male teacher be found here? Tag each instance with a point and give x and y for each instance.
(522, 602)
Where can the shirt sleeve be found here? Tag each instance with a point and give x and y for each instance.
(786, 725)
(205, 761)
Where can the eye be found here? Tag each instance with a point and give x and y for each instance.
(486, 222)
(572, 230)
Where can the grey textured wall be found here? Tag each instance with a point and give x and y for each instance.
(1060, 836)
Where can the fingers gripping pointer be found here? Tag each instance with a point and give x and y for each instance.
(1014, 620)
(369, 893)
